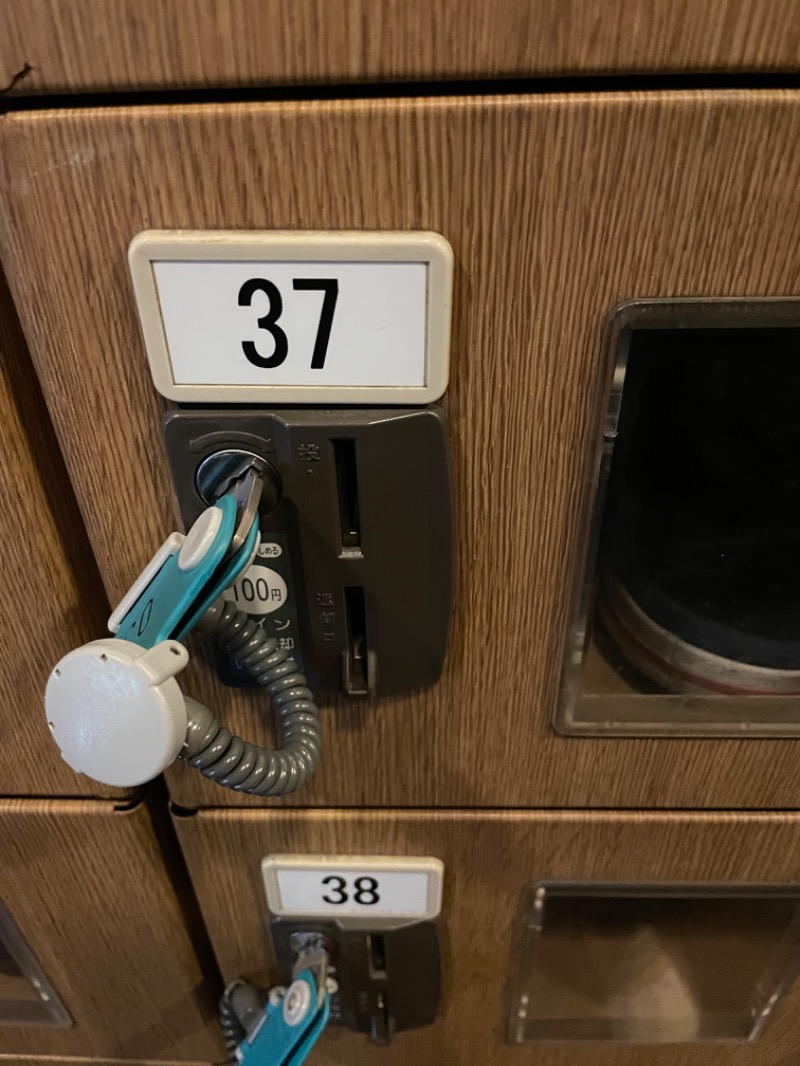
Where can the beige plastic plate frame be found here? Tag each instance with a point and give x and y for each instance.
(317, 865)
(308, 246)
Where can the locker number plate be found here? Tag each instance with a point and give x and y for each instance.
(352, 886)
(274, 317)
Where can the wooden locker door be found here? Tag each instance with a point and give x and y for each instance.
(53, 599)
(59, 46)
(557, 208)
(489, 860)
(87, 887)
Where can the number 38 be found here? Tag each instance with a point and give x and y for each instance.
(269, 321)
(365, 890)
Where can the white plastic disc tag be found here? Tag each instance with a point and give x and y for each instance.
(116, 711)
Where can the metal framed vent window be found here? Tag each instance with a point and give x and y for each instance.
(685, 614)
(650, 963)
(26, 996)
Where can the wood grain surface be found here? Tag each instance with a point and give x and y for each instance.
(489, 858)
(37, 1060)
(88, 889)
(557, 208)
(59, 46)
(53, 599)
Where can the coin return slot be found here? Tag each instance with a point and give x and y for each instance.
(357, 679)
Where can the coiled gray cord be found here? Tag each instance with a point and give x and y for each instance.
(240, 1007)
(235, 763)
(232, 1030)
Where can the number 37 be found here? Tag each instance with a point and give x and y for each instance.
(269, 322)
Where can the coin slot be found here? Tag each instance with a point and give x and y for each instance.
(344, 451)
(377, 955)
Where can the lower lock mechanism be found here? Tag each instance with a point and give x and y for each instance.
(387, 971)
(379, 977)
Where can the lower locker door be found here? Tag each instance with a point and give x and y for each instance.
(663, 961)
(84, 886)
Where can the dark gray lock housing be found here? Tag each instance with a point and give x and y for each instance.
(357, 508)
(388, 971)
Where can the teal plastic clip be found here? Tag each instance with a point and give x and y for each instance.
(174, 600)
(275, 1042)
